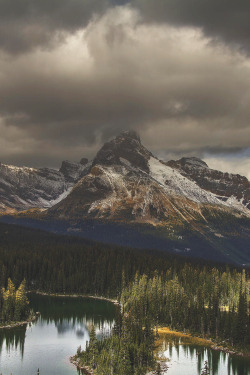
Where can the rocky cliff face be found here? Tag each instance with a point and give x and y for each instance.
(126, 148)
(72, 172)
(22, 188)
(226, 186)
(126, 182)
(183, 206)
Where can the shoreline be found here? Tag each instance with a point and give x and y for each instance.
(86, 369)
(209, 342)
(74, 295)
(19, 324)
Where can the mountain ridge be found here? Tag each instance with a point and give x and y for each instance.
(180, 202)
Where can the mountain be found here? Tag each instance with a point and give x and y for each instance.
(128, 196)
(126, 182)
(226, 186)
(22, 188)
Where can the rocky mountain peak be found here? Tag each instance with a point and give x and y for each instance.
(72, 172)
(127, 149)
(225, 186)
(84, 161)
(189, 162)
(130, 134)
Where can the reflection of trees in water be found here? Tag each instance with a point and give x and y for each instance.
(13, 338)
(74, 314)
(68, 314)
(56, 309)
(82, 326)
(183, 345)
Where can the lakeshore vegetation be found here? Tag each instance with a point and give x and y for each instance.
(14, 304)
(153, 288)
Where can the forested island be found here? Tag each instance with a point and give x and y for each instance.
(154, 290)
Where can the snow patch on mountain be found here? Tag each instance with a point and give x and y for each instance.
(175, 183)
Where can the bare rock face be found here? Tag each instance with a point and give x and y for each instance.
(188, 162)
(84, 161)
(126, 148)
(73, 171)
(22, 188)
(126, 184)
(224, 185)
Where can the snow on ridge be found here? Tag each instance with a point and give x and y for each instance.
(61, 197)
(174, 182)
(17, 169)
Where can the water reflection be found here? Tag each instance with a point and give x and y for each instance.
(63, 325)
(184, 352)
(13, 339)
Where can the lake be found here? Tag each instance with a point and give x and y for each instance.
(64, 325)
(48, 343)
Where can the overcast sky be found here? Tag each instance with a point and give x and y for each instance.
(74, 73)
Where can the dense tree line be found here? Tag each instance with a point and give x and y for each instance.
(213, 304)
(128, 351)
(64, 264)
(14, 304)
(154, 289)
(209, 303)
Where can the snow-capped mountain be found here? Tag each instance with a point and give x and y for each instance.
(22, 188)
(128, 196)
(228, 187)
(126, 182)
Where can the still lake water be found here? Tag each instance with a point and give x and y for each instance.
(64, 325)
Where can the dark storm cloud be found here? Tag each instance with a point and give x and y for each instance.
(26, 24)
(100, 69)
(227, 20)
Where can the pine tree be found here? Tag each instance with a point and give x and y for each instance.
(21, 305)
(93, 350)
(205, 370)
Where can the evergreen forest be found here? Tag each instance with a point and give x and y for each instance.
(154, 289)
(14, 304)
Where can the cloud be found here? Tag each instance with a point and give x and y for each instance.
(28, 24)
(226, 21)
(230, 163)
(113, 71)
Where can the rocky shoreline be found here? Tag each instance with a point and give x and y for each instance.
(87, 370)
(211, 343)
(229, 351)
(163, 368)
(33, 318)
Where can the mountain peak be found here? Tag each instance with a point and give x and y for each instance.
(193, 161)
(190, 162)
(130, 134)
(73, 171)
(127, 149)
